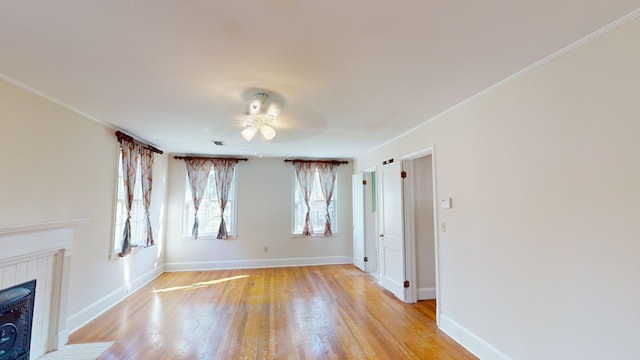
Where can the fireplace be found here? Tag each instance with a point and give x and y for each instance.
(41, 252)
(16, 318)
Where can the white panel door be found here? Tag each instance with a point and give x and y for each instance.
(359, 249)
(391, 240)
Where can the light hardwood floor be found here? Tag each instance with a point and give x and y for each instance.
(315, 312)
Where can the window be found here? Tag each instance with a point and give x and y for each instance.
(209, 210)
(138, 220)
(317, 204)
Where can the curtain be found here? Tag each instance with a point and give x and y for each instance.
(146, 166)
(224, 176)
(198, 173)
(130, 151)
(305, 173)
(327, 174)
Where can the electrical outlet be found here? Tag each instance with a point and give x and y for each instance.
(443, 227)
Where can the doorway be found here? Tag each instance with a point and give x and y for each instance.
(408, 204)
(365, 247)
(420, 229)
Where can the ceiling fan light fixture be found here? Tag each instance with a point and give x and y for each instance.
(249, 132)
(268, 133)
(259, 118)
(255, 106)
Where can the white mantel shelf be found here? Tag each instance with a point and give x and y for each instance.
(42, 226)
(20, 242)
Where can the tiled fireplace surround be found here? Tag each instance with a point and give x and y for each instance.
(41, 252)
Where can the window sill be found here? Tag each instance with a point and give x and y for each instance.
(208, 237)
(336, 234)
(134, 249)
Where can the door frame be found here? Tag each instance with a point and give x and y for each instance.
(409, 223)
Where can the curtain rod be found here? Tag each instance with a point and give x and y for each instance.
(337, 162)
(121, 135)
(207, 158)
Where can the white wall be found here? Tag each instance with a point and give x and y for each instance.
(59, 166)
(264, 220)
(540, 257)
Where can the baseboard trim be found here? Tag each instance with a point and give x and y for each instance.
(84, 316)
(256, 263)
(472, 342)
(426, 293)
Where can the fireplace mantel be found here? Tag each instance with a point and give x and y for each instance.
(22, 241)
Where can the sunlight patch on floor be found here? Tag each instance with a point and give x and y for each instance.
(200, 284)
(211, 282)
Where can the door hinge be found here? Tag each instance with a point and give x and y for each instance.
(406, 283)
(366, 259)
(403, 174)
(364, 182)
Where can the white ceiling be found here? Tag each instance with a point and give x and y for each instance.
(347, 75)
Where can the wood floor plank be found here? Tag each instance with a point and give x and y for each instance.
(315, 312)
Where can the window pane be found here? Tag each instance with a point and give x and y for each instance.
(138, 220)
(120, 209)
(209, 210)
(317, 205)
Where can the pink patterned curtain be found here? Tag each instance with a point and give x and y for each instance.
(130, 151)
(198, 173)
(305, 173)
(327, 174)
(146, 166)
(224, 176)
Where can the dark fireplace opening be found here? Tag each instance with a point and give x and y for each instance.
(16, 319)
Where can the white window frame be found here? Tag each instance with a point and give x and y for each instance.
(232, 207)
(335, 223)
(138, 219)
